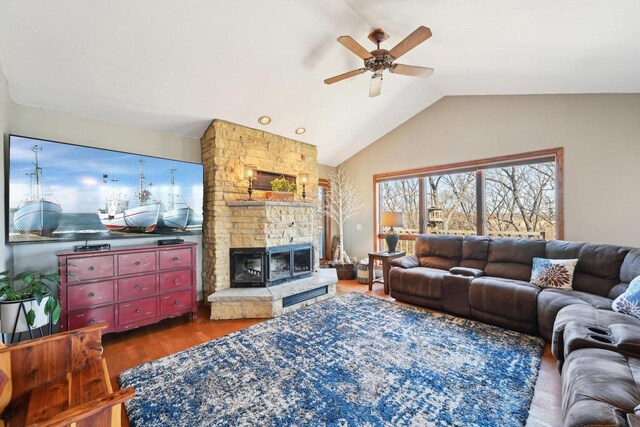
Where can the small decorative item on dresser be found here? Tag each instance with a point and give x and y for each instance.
(303, 179)
(250, 172)
(391, 219)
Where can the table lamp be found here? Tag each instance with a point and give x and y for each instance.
(391, 219)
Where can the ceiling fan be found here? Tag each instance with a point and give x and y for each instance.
(379, 60)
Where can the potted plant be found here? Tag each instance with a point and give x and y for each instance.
(283, 189)
(342, 204)
(27, 300)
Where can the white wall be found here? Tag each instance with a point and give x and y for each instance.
(58, 126)
(5, 127)
(600, 135)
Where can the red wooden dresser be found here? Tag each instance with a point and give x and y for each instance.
(127, 287)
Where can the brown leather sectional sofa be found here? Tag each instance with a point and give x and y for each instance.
(488, 280)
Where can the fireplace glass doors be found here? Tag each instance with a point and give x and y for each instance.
(259, 267)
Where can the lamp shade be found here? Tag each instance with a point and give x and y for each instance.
(251, 171)
(303, 178)
(391, 219)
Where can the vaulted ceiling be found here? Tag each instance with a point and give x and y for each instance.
(173, 65)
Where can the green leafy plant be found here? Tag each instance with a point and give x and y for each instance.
(32, 284)
(282, 184)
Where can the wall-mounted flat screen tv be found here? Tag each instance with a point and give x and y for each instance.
(64, 192)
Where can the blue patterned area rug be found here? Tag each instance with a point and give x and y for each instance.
(354, 360)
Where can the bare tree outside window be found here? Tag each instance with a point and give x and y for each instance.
(521, 199)
(518, 201)
(451, 203)
(403, 195)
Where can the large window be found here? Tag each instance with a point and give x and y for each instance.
(511, 196)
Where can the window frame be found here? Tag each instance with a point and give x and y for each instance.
(477, 166)
(326, 219)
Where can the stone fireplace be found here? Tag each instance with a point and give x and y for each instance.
(258, 226)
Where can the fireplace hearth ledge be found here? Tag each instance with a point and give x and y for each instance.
(248, 203)
(264, 303)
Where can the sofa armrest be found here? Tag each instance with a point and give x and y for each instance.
(407, 261)
(469, 272)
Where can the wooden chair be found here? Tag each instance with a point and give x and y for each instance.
(59, 380)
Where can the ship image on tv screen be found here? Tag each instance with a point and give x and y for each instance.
(60, 191)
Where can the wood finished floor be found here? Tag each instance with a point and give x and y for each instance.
(132, 348)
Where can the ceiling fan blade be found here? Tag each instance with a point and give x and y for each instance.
(412, 40)
(411, 70)
(354, 47)
(376, 85)
(343, 76)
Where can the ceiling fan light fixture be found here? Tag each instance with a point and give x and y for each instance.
(376, 84)
(300, 131)
(264, 120)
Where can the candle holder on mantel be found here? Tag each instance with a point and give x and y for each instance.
(250, 172)
(303, 179)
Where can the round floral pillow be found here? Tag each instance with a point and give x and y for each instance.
(629, 301)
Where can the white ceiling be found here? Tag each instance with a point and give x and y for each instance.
(173, 65)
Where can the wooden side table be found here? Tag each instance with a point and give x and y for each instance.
(385, 257)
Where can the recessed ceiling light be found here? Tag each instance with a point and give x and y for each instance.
(300, 131)
(264, 120)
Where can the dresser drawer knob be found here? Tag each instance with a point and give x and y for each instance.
(138, 310)
(175, 258)
(92, 321)
(92, 294)
(91, 268)
(177, 302)
(137, 263)
(138, 286)
(176, 281)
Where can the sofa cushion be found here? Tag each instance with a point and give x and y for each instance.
(629, 301)
(475, 250)
(553, 273)
(551, 301)
(439, 251)
(506, 298)
(561, 249)
(407, 261)
(586, 314)
(419, 281)
(512, 258)
(598, 268)
(630, 268)
(599, 388)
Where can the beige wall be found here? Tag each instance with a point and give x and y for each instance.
(600, 134)
(325, 170)
(58, 126)
(5, 129)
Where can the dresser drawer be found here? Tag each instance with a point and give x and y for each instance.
(176, 301)
(80, 319)
(137, 310)
(137, 262)
(91, 267)
(174, 280)
(175, 258)
(89, 294)
(137, 287)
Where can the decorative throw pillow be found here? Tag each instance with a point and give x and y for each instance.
(629, 301)
(553, 273)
